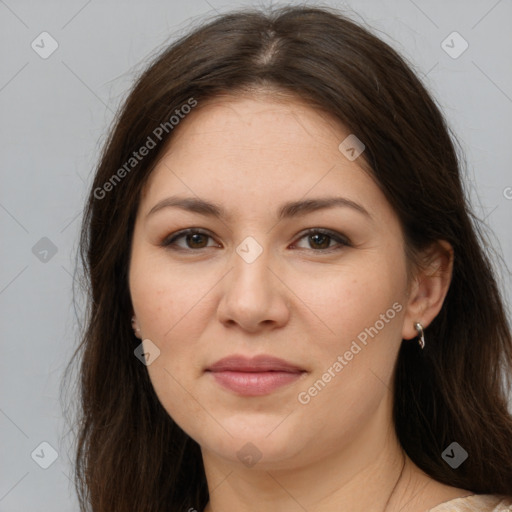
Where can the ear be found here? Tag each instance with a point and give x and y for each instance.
(429, 287)
(136, 327)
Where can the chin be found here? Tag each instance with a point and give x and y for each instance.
(265, 445)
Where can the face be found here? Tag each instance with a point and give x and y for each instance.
(238, 252)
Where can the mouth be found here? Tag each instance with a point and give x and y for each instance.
(256, 376)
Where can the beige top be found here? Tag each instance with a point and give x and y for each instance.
(476, 503)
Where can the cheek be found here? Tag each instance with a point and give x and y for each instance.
(344, 303)
(169, 312)
(165, 299)
(172, 308)
(353, 368)
(361, 317)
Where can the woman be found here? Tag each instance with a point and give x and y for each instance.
(290, 307)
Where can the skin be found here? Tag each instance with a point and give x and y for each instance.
(304, 299)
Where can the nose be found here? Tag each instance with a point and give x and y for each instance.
(254, 297)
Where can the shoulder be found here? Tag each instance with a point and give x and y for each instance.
(477, 503)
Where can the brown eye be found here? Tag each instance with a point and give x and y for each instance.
(193, 239)
(196, 240)
(321, 240)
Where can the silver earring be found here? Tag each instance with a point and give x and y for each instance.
(421, 334)
(136, 329)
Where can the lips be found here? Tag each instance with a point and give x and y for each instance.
(254, 376)
(260, 363)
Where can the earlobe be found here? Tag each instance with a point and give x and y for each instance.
(135, 327)
(429, 288)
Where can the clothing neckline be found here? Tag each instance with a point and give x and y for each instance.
(471, 497)
(433, 509)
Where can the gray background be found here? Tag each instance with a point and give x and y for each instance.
(55, 114)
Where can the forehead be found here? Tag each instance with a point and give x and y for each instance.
(233, 147)
(255, 122)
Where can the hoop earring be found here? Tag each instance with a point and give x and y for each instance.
(421, 334)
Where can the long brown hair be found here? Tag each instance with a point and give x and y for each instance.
(130, 455)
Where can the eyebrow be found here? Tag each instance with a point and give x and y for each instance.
(287, 210)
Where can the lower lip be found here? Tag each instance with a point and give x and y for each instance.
(254, 383)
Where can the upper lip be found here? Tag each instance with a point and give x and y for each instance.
(261, 363)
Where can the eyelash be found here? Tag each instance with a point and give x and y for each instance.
(169, 241)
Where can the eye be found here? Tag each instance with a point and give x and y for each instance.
(320, 240)
(193, 239)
